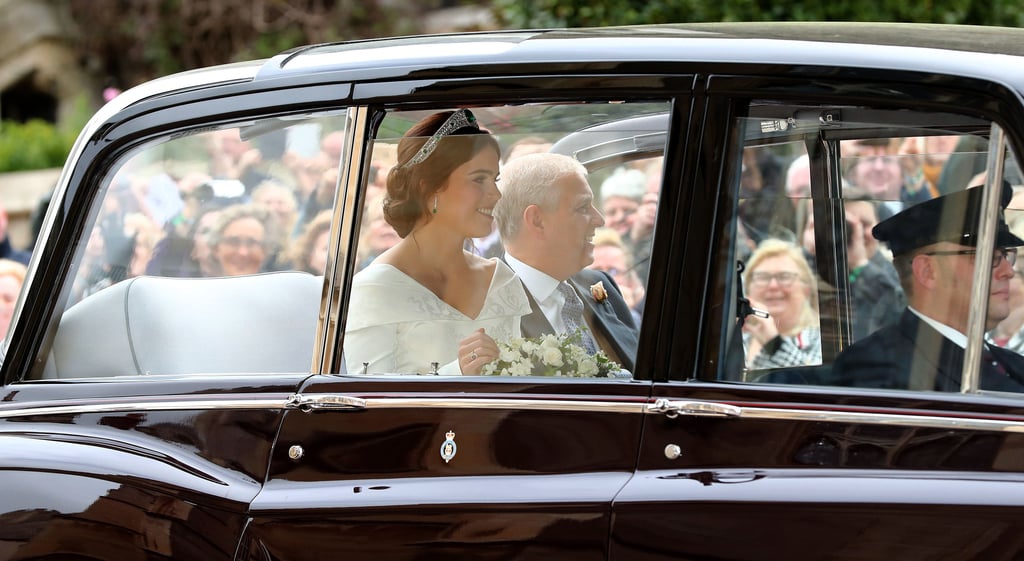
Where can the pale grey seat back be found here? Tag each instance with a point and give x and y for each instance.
(153, 325)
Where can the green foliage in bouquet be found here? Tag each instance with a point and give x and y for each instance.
(550, 355)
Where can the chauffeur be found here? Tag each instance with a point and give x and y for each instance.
(934, 245)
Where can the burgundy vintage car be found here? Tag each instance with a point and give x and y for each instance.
(161, 401)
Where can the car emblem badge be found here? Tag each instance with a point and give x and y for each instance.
(448, 447)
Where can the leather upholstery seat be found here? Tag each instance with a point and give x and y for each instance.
(153, 325)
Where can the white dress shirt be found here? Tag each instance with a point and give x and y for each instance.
(544, 290)
(945, 330)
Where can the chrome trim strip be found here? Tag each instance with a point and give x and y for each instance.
(668, 408)
(515, 404)
(928, 421)
(325, 402)
(133, 404)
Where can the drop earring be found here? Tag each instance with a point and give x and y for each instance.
(435, 205)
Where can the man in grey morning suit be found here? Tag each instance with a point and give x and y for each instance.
(933, 245)
(547, 218)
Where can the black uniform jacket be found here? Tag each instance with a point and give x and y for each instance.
(910, 354)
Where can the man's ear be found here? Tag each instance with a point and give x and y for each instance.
(924, 271)
(533, 219)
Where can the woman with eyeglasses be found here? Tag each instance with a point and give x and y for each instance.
(240, 241)
(779, 281)
(428, 305)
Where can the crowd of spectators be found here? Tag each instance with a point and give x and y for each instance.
(239, 207)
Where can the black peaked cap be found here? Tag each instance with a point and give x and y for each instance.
(950, 218)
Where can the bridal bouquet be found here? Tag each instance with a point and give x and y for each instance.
(550, 355)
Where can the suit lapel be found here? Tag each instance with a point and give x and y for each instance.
(936, 361)
(535, 323)
(604, 323)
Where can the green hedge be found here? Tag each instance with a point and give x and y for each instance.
(39, 144)
(35, 144)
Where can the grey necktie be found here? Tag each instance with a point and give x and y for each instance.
(572, 315)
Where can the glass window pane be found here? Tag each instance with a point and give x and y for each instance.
(437, 246)
(855, 240)
(206, 254)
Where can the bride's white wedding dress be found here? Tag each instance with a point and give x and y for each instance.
(397, 326)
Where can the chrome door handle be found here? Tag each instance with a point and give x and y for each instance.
(309, 403)
(674, 408)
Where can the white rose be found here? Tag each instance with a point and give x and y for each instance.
(552, 356)
(587, 367)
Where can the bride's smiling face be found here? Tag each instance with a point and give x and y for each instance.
(467, 201)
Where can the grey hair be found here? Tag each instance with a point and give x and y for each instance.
(238, 212)
(527, 180)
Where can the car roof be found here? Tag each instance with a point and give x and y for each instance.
(896, 46)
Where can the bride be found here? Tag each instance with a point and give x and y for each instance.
(427, 304)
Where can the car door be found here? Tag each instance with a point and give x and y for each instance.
(424, 465)
(745, 461)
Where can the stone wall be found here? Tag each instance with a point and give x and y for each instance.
(19, 194)
(34, 45)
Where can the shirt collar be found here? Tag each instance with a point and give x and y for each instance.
(943, 329)
(539, 284)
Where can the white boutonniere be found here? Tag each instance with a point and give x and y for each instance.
(598, 292)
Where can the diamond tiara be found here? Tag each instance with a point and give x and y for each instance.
(458, 120)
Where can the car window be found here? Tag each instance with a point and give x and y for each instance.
(821, 291)
(405, 317)
(206, 254)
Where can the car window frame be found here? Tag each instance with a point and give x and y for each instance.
(357, 187)
(825, 186)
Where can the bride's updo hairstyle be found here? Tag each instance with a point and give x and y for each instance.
(427, 155)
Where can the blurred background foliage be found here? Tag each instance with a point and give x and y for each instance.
(130, 41)
(122, 43)
(35, 144)
(40, 144)
(588, 13)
